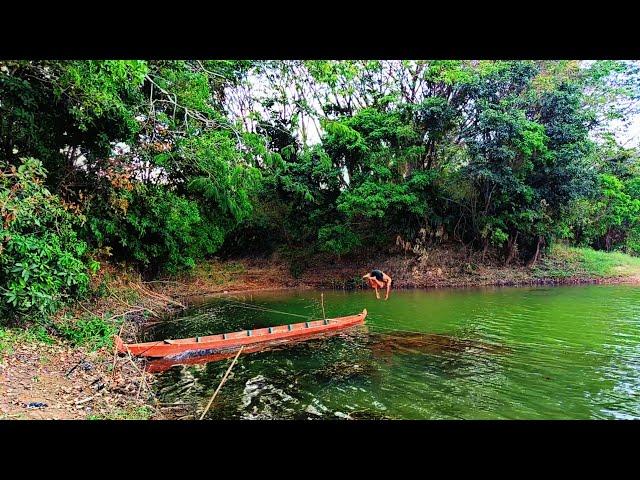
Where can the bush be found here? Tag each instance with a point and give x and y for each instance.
(41, 258)
(633, 241)
(93, 332)
(338, 239)
(159, 230)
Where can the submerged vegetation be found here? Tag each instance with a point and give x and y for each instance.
(163, 164)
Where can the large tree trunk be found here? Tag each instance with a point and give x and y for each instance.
(533, 261)
(485, 248)
(607, 241)
(430, 153)
(511, 248)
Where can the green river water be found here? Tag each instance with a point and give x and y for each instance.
(497, 353)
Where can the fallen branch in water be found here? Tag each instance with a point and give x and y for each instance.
(221, 382)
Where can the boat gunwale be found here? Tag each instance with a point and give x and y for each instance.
(238, 338)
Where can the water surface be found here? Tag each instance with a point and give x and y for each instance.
(503, 353)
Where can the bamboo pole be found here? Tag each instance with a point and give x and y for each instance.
(324, 317)
(142, 378)
(115, 358)
(221, 383)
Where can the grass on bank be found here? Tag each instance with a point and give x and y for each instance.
(132, 413)
(79, 328)
(568, 262)
(10, 337)
(91, 332)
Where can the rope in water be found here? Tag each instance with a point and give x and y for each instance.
(259, 308)
(262, 308)
(265, 309)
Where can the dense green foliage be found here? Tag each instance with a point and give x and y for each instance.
(165, 163)
(495, 155)
(42, 260)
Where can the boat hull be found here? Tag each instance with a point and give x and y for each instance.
(157, 365)
(230, 342)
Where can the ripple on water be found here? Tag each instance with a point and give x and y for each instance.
(569, 352)
(263, 400)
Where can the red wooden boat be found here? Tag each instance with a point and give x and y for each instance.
(250, 339)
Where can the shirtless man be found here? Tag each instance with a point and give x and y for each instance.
(378, 279)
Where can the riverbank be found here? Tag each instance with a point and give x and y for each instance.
(68, 370)
(439, 268)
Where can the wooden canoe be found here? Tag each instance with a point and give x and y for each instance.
(251, 339)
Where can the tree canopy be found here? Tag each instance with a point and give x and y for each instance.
(164, 163)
